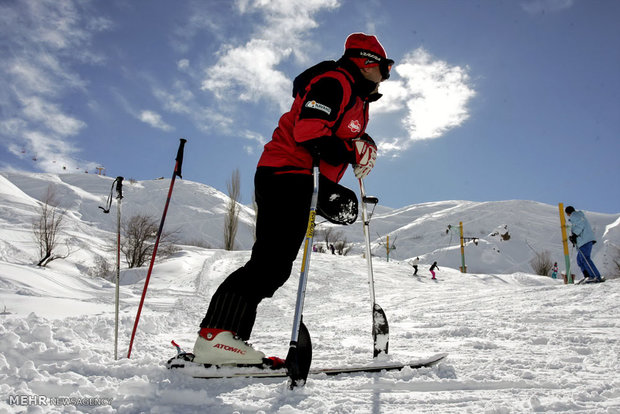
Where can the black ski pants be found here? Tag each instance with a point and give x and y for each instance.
(283, 208)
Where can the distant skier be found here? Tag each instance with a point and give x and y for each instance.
(414, 263)
(582, 236)
(432, 269)
(554, 270)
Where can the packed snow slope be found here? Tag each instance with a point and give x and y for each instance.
(516, 342)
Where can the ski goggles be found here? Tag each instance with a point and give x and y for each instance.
(385, 65)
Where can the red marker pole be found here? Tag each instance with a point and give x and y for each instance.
(177, 172)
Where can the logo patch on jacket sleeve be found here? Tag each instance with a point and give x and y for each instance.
(314, 104)
(355, 126)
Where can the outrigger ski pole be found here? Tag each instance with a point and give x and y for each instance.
(380, 328)
(299, 354)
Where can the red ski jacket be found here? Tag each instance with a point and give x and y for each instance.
(330, 110)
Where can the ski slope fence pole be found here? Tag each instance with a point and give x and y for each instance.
(119, 197)
(569, 277)
(175, 173)
(463, 267)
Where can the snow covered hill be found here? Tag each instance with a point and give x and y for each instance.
(431, 231)
(196, 210)
(197, 214)
(516, 342)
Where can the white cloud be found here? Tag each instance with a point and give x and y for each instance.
(149, 117)
(154, 119)
(433, 95)
(254, 136)
(392, 146)
(44, 40)
(182, 101)
(200, 18)
(183, 64)
(249, 72)
(49, 116)
(178, 101)
(245, 69)
(395, 94)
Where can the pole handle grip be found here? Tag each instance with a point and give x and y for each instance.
(179, 158)
(119, 187)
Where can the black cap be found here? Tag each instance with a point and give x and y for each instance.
(569, 210)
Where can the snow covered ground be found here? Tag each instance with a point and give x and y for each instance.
(516, 342)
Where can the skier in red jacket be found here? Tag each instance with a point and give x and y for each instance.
(327, 122)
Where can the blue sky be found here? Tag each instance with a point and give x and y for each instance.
(488, 100)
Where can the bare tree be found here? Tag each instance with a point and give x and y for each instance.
(541, 263)
(103, 269)
(330, 235)
(231, 221)
(47, 227)
(140, 232)
(342, 247)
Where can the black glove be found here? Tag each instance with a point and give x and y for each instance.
(330, 149)
(573, 238)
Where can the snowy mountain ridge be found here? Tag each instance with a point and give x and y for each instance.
(428, 230)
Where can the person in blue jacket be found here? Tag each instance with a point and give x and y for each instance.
(582, 236)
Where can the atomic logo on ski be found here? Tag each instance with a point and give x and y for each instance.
(229, 348)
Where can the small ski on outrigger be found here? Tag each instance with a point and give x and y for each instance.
(275, 367)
